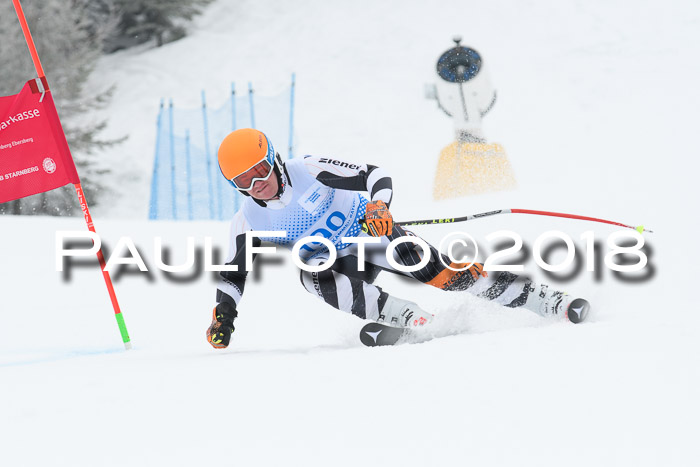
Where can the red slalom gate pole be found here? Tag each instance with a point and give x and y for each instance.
(28, 38)
(78, 188)
(105, 274)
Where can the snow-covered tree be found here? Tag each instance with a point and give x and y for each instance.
(162, 20)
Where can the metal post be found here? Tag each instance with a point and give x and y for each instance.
(252, 106)
(233, 106)
(291, 117)
(233, 128)
(208, 156)
(153, 208)
(189, 174)
(172, 162)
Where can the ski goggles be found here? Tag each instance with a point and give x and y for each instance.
(260, 171)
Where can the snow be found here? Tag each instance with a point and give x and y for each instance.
(597, 111)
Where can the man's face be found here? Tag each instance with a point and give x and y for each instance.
(265, 189)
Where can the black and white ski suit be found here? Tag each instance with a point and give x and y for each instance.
(322, 197)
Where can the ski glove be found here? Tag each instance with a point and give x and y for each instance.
(219, 333)
(378, 220)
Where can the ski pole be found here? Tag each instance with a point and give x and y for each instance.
(452, 220)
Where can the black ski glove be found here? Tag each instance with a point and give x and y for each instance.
(219, 333)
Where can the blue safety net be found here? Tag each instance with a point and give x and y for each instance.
(187, 183)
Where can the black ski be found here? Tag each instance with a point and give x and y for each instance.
(375, 334)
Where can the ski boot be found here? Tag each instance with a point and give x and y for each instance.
(547, 302)
(402, 313)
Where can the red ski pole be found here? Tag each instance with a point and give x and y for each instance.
(452, 220)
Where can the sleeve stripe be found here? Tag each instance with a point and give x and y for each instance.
(381, 185)
(384, 195)
(354, 183)
(231, 284)
(374, 174)
(315, 170)
(229, 289)
(370, 178)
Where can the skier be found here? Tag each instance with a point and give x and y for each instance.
(322, 196)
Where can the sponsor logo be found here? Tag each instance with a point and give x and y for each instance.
(347, 165)
(235, 287)
(373, 335)
(26, 115)
(49, 165)
(317, 285)
(16, 143)
(19, 173)
(83, 207)
(577, 311)
(453, 279)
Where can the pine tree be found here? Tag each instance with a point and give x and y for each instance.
(162, 20)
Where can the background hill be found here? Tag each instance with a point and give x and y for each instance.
(597, 111)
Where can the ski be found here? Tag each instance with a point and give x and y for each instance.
(376, 334)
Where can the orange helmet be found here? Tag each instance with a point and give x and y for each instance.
(246, 155)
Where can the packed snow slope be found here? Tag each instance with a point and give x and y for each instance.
(597, 111)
